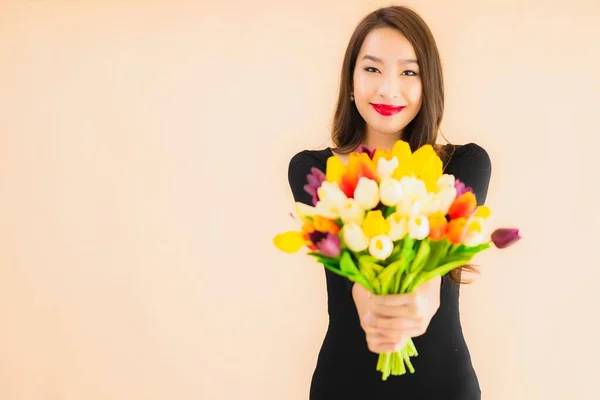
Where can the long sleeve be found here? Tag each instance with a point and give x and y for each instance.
(472, 165)
(299, 167)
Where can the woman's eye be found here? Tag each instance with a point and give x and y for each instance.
(371, 69)
(409, 73)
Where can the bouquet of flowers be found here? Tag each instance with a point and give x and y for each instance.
(391, 220)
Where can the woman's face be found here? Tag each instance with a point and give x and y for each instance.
(387, 83)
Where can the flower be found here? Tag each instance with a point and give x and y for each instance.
(347, 176)
(331, 199)
(427, 166)
(463, 206)
(351, 211)
(385, 167)
(445, 182)
(418, 227)
(330, 245)
(474, 231)
(414, 197)
(367, 193)
(455, 230)
(315, 179)
(303, 211)
(381, 247)
(325, 225)
(354, 237)
(364, 149)
(398, 226)
(390, 191)
(504, 237)
(482, 212)
(461, 188)
(289, 242)
(437, 226)
(375, 225)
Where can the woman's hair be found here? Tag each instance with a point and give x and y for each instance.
(349, 130)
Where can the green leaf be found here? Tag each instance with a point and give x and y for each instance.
(347, 265)
(389, 211)
(421, 257)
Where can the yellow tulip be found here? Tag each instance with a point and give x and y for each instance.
(483, 212)
(375, 225)
(335, 169)
(427, 166)
(289, 242)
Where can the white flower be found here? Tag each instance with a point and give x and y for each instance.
(446, 198)
(385, 168)
(331, 199)
(390, 191)
(418, 227)
(445, 181)
(475, 232)
(381, 247)
(398, 226)
(414, 197)
(302, 211)
(351, 211)
(354, 237)
(367, 193)
(439, 202)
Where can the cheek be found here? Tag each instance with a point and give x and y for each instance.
(363, 87)
(415, 93)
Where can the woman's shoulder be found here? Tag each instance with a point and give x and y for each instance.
(306, 159)
(469, 154)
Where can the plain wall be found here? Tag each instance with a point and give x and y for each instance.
(143, 162)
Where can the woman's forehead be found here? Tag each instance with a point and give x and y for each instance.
(387, 45)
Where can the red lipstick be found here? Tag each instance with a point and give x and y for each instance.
(387, 110)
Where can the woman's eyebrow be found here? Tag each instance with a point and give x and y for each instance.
(379, 60)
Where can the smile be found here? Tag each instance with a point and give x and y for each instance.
(387, 110)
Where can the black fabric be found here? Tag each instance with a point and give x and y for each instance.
(346, 369)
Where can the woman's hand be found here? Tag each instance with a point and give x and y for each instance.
(390, 320)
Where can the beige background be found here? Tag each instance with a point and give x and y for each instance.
(143, 161)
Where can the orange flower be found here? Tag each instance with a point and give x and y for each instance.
(359, 165)
(325, 225)
(463, 206)
(437, 226)
(455, 231)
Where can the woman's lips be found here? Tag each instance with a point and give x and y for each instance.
(387, 110)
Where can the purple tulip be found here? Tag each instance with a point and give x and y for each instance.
(505, 237)
(315, 179)
(364, 149)
(330, 245)
(461, 188)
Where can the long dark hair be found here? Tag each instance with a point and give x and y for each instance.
(349, 130)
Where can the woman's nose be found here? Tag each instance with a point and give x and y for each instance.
(390, 88)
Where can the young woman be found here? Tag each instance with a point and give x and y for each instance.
(392, 88)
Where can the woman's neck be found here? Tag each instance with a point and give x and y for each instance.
(376, 140)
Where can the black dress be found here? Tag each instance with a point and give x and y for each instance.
(346, 368)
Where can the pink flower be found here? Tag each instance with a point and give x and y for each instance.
(364, 149)
(505, 237)
(315, 179)
(330, 245)
(461, 188)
